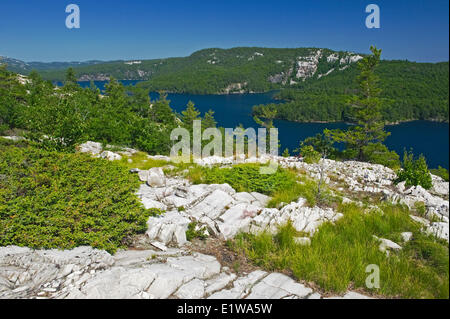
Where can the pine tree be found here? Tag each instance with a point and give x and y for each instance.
(265, 117)
(209, 120)
(11, 94)
(71, 79)
(161, 112)
(116, 93)
(365, 110)
(190, 115)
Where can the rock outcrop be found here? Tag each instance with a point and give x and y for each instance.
(85, 272)
(171, 270)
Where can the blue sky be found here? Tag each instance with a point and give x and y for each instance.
(30, 30)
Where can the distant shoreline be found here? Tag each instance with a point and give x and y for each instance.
(275, 98)
(387, 123)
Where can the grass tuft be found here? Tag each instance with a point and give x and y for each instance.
(339, 254)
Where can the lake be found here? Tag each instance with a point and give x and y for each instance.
(423, 137)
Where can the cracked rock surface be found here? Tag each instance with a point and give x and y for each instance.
(223, 211)
(85, 272)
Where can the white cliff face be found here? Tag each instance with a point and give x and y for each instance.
(332, 58)
(348, 59)
(307, 66)
(235, 88)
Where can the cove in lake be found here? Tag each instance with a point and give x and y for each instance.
(423, 137)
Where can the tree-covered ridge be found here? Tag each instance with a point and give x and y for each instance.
(314, 82)
(410, 91)
(22, 67)
(211, 70)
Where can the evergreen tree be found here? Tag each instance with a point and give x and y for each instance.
(209, 120)
(116, 93)
(71, 79)
(365, 110)
(161, 112)
(265, 117)
(12, 97)
(190, 115)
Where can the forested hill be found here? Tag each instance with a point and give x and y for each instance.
(25, 68)
(210, 70)
(314, 82)
(410, 91)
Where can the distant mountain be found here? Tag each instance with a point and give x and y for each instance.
(22, 67)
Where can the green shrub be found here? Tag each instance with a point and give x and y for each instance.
(380, 154)
(310, 155)
(441, 172)
(59, 200)
(415, 172)
(244, 178)
(193, 233)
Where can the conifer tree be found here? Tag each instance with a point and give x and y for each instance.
(209, 120)
(190, 115)
(365, 110)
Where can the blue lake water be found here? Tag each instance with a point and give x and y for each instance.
(423, 137)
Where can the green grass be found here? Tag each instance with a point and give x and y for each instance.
(441, 172)
(193, 233)
(339, 254)
(140, 160)
(61, 200)
(284, 186)
(307, 189)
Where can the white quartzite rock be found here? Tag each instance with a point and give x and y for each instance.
(406, 236)
(277, 286)
(110, 156)
(89, 273)
(386, 245)
(91, 147)
(171, 227)
(156, 177)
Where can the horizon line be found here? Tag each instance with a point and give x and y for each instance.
(209, 48)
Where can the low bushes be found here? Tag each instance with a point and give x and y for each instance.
(415, 172)
(244, 178)
(441, 172)
(284, 186)
(59, 200)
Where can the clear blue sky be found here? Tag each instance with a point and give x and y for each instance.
(30, 30)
